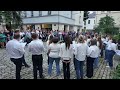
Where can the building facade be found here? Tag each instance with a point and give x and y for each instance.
(90, 22)
(53, 20)
(114, 14)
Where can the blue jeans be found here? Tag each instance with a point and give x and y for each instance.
(111, 53)
(106, 55)
(51, 60)
(96, 62)
(79, 68)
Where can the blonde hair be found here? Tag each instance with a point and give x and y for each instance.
(80, 39)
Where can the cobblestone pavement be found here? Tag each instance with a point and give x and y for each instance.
(7, 69)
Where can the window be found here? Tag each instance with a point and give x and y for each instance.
(71, 14)
(25, 14)
(49, 12)
(54, 24)
(79, 19)
(40, 13)
(84, 22)
(94, 21)
(31, 13)
(88, 21)
(102, 11)
(108, 11)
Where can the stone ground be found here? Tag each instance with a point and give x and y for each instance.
(7, 69)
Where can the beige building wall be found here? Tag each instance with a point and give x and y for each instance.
(114, 14)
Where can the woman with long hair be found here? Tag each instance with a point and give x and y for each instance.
(48, 43)
(100, 46)
(66, 54)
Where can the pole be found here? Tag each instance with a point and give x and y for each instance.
(58, 20)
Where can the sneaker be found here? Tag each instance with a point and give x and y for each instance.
(107, 66)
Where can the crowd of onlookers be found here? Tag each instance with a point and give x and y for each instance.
(62, 46)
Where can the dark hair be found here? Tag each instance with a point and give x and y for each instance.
(100, 42)
(34, 36)
(114, 41)
(67, 41)
(16, 36)
(55, 39)
(93, 42)
(89, 37)
(50, 39)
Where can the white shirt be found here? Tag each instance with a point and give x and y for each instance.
(112, 46)
(93, 51)
(109, 45)
(14, 49)
(81, 51)
(36, 47)
(88, 41)
(66, 54)
(54, 50)
(74, 44)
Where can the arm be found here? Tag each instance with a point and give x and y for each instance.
(89, 51)
(29, 47)
(21, 49)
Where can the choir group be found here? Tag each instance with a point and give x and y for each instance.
(83, 50)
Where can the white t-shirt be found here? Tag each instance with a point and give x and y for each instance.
(54, 50)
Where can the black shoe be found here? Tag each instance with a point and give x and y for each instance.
(27, 66)
(23, 65)
(42, 77)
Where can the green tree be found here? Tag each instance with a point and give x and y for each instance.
(107, 25)
(11, 18)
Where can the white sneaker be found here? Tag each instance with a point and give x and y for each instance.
(107, 66)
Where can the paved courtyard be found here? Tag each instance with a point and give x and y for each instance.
(7, 69)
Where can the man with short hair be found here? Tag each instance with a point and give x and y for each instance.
(16, 51)
(36, 47)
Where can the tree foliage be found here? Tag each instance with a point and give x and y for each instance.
(11, 18)
(107, 25)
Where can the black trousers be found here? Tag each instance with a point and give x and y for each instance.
(66, 70)
(37, 65)
(18, 63)
(24, 62)
(74, 62)
(90, 62)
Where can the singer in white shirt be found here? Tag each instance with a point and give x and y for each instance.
(66, 54)
(80, 55)
(36, 47)
(112, 47)
(16, 52)
(92, 54)
(53, 52)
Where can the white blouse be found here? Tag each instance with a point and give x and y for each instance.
(66, 54)
(81, 51)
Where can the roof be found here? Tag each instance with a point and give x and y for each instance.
(92, 15)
